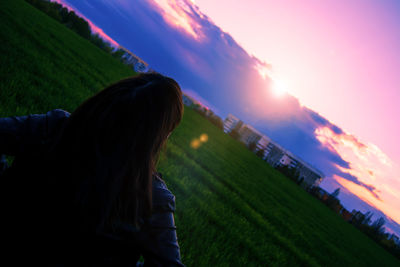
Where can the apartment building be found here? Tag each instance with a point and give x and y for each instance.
(249, 135)
(308, 175)
(274, 154)
(231, 122)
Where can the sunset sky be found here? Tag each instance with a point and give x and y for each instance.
(329, 53)
(321, 78)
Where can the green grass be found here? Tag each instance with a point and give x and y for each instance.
(232, 208)
(45, 65)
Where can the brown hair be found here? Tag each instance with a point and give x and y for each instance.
(109, 147)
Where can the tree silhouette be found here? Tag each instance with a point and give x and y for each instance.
(252, 146)
(235, 134)
(367, 218)
(335, 193)
(377, 225)
(260, 153)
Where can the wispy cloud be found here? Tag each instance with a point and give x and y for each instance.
(182, 15)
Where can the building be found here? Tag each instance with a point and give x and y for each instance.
(131, 59)
(285, 160)
(249, 135)
(273, 154)
(357, 216)
(290, 160)
(262, 145)
(231, 122)
(308, 175)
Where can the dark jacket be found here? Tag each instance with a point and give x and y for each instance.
(28, 136)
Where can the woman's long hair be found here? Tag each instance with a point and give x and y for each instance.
(107, 152)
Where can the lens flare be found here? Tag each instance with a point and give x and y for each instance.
(195, 144)
(204, 138)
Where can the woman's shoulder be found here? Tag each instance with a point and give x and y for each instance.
(163, 199)
(57, 114)
(55, 118)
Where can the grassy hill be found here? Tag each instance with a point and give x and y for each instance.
(232, 208)
(44, 64)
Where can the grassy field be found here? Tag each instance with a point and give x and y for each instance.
(44, 64)
(232, 208)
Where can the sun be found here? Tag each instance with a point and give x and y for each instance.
(279, 87)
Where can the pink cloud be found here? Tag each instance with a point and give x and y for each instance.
(378, 183)
(181, 15)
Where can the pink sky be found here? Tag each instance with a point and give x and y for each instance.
(339, 58)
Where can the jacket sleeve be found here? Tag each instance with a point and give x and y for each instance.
(18, 133)
(15, 132)
(161, 231)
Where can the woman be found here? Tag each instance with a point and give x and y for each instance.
(87, 183)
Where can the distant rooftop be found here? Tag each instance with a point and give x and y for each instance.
(253, 129)
(304, 163)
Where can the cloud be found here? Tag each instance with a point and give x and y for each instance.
(355, 180)
(370, 169)
(182, 15)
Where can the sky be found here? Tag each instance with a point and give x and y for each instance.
(318, 77)
(327, 52)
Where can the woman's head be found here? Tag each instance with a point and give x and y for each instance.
(112, 142)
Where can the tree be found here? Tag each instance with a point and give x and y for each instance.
(367, 218)
(260, 153)
(81, 27)
(333, 202)
(291, 173)
(235, 134)
(118, 53)
(217, 121)
(64, 14)
(252, 146)
(98, 41)
(335, 193)
(377, 226)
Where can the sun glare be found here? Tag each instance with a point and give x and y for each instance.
(279, 87)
